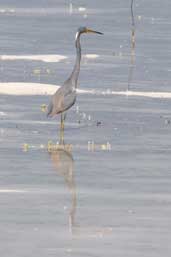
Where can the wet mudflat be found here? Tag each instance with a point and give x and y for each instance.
(109, 193)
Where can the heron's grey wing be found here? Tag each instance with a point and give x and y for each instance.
(55, 103)
(62, 100)
(69, 100)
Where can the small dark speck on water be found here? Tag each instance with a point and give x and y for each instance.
(98, 123)
(167, 122)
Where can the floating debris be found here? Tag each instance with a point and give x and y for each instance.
(52, 147)
(43, 107)
(37, 71)
(89, 117)
(103, 147)
(25, 147)
(96, 147)
(139, 17)
(81, 9)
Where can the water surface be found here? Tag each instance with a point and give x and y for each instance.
(109, 195)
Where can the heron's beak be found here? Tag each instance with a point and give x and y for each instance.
(93, 31)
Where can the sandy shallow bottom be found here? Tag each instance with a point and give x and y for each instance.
(27, 89)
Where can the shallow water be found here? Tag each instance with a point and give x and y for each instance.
(111, 194)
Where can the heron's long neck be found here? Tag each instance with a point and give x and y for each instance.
(76, 70)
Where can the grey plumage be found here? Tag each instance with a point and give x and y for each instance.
(65, 96)
(63, 99)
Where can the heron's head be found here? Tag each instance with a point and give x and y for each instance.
(87, 30)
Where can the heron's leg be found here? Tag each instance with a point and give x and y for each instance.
(62, 130)
(63, 118)
(64, 115)
(62, 126)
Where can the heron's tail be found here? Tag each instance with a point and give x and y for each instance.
(49, 109)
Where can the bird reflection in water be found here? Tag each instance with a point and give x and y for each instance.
(63, 163)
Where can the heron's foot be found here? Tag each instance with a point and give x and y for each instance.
(61, 141)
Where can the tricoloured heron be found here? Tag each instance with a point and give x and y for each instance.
(65, 96)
